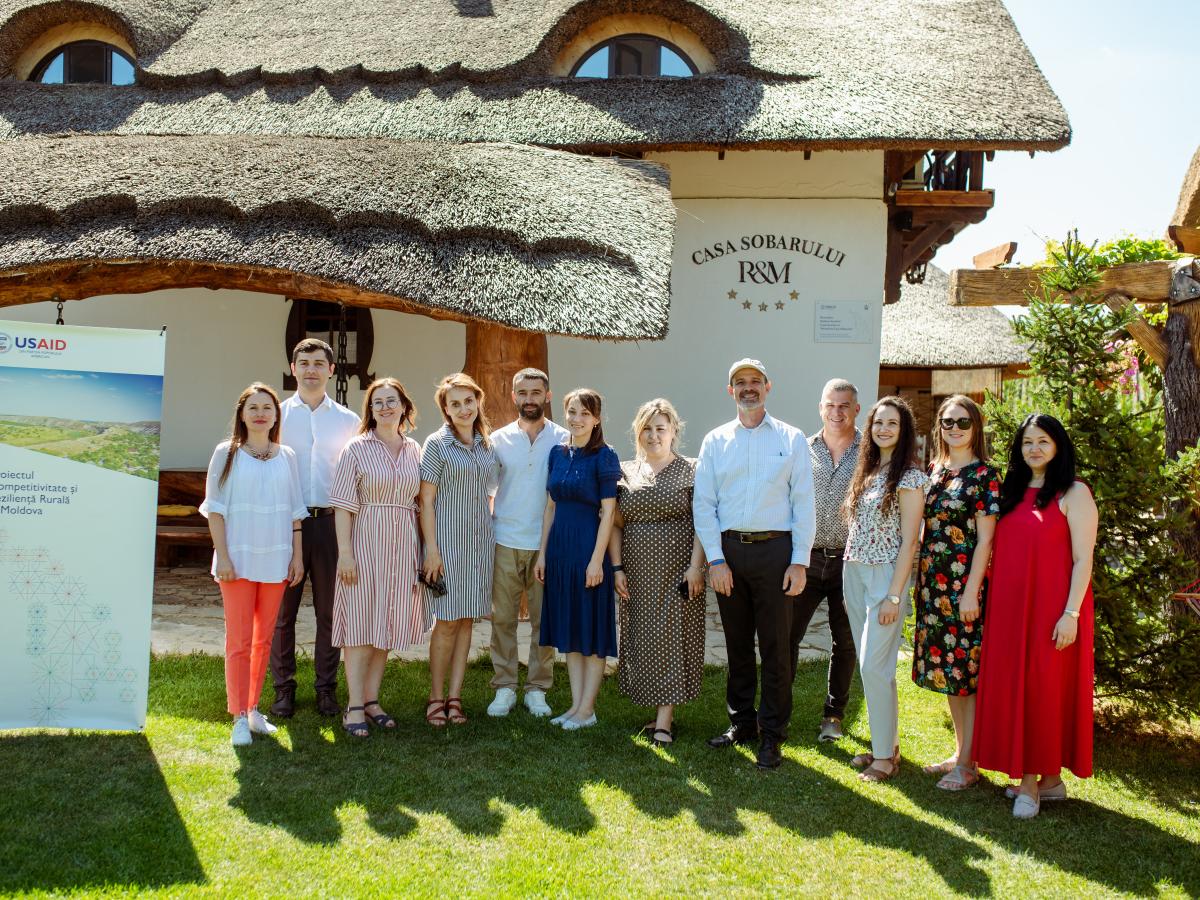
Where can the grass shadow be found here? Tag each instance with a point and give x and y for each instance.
(117, 828)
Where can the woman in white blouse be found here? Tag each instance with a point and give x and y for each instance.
(884, 503)
(254, 506)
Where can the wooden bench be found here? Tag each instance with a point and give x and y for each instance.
(177, 535)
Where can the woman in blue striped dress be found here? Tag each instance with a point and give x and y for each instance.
(459, 471)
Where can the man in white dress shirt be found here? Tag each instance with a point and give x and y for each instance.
(316, 428)
(753, 508)
(523, 448)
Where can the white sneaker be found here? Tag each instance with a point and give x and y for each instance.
(259, 723)
(575, 724)
(535, 702)
(241, 732)
(506, 699)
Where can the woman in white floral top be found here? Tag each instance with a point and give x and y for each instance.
(884, 505)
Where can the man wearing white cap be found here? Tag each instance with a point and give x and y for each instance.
(753, 508)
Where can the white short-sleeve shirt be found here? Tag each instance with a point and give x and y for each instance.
(259, 500)
(521, 497)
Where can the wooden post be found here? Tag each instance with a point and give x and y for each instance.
(494, 355)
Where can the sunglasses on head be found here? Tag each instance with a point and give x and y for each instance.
(964, 423)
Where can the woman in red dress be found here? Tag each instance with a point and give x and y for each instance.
(1034, 705)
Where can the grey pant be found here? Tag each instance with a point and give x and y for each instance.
(865, 586)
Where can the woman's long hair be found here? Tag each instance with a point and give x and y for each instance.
(238, 431)
(482, 426)
(593, 403)
(941, 450)
(408, 419)
(1060, 473)
(904, 456)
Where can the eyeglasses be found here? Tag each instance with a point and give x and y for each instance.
(390, 403)
(963, 424)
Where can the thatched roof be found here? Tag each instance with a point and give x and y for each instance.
(529, 238)
(924, 330)
(815, 73)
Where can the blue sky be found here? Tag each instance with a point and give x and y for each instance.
(1126, 73)
(88, 396)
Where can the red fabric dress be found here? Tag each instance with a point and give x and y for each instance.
(1033, 709)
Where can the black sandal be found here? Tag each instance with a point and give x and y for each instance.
(382, 720)
(355, 729)
(659, 742)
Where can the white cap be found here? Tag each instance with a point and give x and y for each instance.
(748, 363)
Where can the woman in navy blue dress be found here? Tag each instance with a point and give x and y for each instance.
(578, 612)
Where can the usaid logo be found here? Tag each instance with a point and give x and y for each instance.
(5, 342)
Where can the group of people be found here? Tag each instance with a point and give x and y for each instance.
(399, 541)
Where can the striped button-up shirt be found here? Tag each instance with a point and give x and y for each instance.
(830, 483)
(754, 479)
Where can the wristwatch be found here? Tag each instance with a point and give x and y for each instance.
(893, 599)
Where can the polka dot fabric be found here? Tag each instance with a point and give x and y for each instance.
(662, 634)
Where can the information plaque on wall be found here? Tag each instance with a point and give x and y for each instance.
(843, 323)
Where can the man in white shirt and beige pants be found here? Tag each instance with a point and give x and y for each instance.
(753, 509)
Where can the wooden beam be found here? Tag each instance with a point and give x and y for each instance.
(1148, 337)
(1185, 239)
(81, 280)
(1149, 282)
(925, 240)
(1187, 212)
(997, 256)
(981, 199)
(967, 215)
(896, 163)
(494, 355)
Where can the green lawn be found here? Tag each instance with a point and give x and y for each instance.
(514, 807)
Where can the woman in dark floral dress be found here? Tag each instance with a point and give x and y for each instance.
(961, 507)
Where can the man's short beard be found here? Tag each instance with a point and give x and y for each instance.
(750, 405)
(524, 413)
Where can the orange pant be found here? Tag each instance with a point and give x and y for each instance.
(251, 608)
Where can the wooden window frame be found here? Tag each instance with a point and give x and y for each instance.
(612, 56)
(64, 50)
(358, 322)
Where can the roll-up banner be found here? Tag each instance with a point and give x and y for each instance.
(80, 410)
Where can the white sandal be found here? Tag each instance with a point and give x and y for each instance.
(1025, 807)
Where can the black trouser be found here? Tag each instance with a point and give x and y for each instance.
(320, 567)
(825, 583)
(758, 607)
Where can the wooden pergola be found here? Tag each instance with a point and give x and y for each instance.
(1175, 347)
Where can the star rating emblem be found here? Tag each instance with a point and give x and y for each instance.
(794, 295)
(745, 304)
(733, 295)
(779, 304)
(762, 307)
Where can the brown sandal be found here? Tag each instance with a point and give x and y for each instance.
(862, 760)
(945, 767)
(437, 715)
(454, 711)
(875, 776)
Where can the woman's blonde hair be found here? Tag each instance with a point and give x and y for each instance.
(482, 427)
(659, 406)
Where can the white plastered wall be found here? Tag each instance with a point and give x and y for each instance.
(832, 198)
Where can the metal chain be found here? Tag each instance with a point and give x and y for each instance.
(343, 376)
(59, 320)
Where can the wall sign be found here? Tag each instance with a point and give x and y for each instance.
(763, 270)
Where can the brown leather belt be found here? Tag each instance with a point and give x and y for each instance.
(830, 552)
(755, 537)
(317, 511)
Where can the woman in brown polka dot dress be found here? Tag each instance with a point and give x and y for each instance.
(655, 550)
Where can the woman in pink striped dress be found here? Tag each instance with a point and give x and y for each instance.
(377, 606)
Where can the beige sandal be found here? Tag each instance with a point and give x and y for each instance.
(959, 778)
(945, 767)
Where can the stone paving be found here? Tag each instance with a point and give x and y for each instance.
(188, 619)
